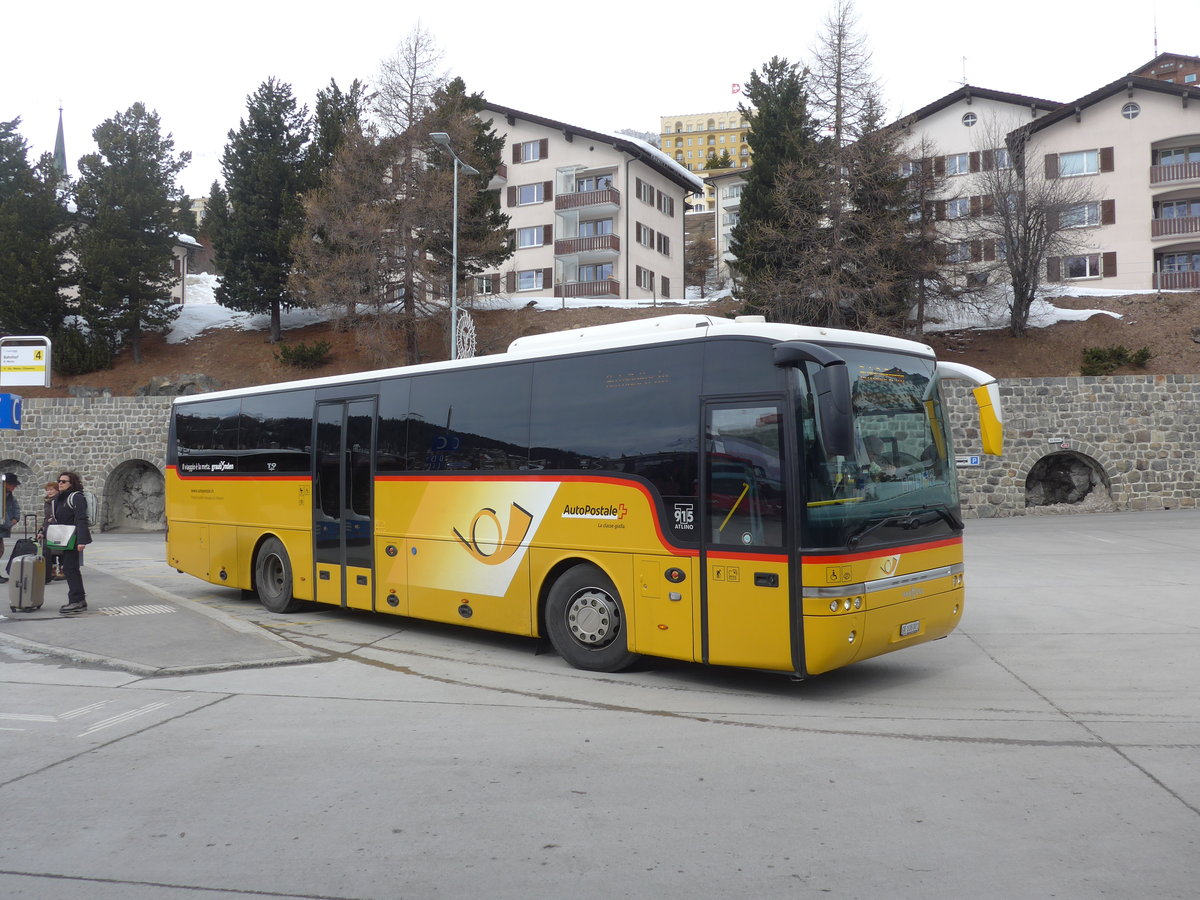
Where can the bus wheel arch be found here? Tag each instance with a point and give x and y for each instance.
(585, 619)
(273, 576)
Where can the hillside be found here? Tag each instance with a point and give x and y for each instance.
(1164, 324)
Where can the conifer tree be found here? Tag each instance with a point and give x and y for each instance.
(334, 114)
(33, 239)
(128, 203)
(265, 177)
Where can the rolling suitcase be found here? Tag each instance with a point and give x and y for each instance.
(26, 545)
(27, 583)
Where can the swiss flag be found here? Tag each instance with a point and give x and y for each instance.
(737, 88)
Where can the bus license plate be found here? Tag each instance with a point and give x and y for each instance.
(910, 628)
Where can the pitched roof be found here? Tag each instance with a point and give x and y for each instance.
(969, 92)
(638, 149)
(1124, 83)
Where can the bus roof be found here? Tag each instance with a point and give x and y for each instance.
(638, 332)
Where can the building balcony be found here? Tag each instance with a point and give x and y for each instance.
(588, 290)
(1183, 226)
(1175, 174)
(600, 245)
(1177, 281)
(609, 198)
(499, 179)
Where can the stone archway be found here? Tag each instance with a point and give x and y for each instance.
(1068, 478)
(134, 497)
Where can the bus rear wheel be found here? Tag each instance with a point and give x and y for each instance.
(273, 577)
(586, 622)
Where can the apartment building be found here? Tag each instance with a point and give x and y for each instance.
(726, 188)
(1172, 68)
(594, 215)
(1135, 146)
(692, 140)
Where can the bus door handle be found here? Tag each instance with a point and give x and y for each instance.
(766, 579)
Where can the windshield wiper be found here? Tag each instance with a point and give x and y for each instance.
(907, 521)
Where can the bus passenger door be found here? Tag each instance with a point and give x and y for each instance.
(343, 503)
(746, 609)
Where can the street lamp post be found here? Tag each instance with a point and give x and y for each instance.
(443, 139)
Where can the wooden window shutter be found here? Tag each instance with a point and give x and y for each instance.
(665, 293)
(544, 148)
(976, 251)
(548, 278)
(940, 210)
(1051, 165)
(989, 160)
(512, 195)
(989, 251)
(1109, 267)
(495, 282)
(547, 234)
(1106, 159)
(1053, 268)
(939, 166)
(976, 206)
(548, 190)
(512, 238)
(989, 205)
(1053, 217)
(973, 158)
(510, 281)
(516, 153)
(1108, 212)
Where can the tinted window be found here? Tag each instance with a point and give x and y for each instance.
(470, 420)
(633, 411)
(210, 425)
(741, 367)
(276, 431)
(392, 438)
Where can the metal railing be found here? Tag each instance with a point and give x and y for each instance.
(593, 244)
(588, 198)
(589, 289)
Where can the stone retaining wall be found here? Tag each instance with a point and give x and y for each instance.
(1115, 442)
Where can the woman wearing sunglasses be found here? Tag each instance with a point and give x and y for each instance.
(70, 508)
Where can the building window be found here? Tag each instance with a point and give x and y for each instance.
(645, 278)
(595, 227)
(958, 208)
(1003, 160)
(1189, 79)
(666, 204)
(1081, 266)
(1178, 209)
(666, 288)
(1131, 110)
(601, 272)
(530, 237)
(644, 235)
(734, 191)
(958, 164)
(664, 244)
(645, 191)
(730, 219)
(1177, 156)
(1082, 162)
(1179, 262)
(531, 193)
(969, 119)
(959, 252)
(593, 183)
(1082, 215)
(531, 151)
(484, 284)
(529, 280)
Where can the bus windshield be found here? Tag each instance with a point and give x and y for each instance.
(901, 481)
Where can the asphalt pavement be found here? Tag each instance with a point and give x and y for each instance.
(138, 626)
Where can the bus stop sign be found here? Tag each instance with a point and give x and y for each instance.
(24, 361)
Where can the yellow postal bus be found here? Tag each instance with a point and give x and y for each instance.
(723, 491)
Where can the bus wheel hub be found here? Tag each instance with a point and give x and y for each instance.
(593, 617)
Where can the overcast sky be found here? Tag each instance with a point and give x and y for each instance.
(603, 67)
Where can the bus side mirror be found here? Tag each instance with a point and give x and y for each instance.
(831, 393)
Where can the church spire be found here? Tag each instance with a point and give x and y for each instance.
(60, 149)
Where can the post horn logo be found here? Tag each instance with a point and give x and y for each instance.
(495, 551)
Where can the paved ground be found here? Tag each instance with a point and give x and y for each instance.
(1049, 748)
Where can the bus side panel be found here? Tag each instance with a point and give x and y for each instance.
(869, 621)
(430, 561)
(187, 548)
(664, 608)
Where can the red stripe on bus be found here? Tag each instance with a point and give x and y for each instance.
(818, 558)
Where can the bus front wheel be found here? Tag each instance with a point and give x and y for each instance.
(273, 577)
(586, 622)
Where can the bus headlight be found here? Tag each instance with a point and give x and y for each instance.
(833, 606)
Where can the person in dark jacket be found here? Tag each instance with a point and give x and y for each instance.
(70, 508)
(12, 512)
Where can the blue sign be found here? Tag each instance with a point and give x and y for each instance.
(10, 411)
